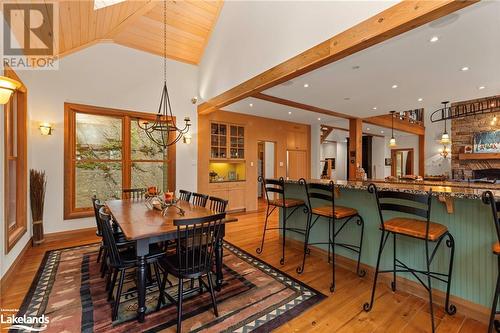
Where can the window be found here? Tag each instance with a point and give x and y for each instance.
(105, 152)
(15, 166)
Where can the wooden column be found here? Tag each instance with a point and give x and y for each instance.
(355, 146)
(421, 155)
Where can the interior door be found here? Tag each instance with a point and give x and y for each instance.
(297, 164)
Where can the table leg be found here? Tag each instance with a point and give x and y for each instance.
(218, 264)
(142, 250)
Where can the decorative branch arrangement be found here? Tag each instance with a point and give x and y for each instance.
(38, 185)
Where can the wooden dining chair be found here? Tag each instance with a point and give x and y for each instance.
(120, 261)
(194, 261)
(134, 193)
(184, 195)
(199, 199)
(217, 204)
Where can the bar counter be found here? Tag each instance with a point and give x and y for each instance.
(469, 221)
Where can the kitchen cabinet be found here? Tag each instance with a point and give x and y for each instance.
(227, 141)
(234, 192)
(296, 140)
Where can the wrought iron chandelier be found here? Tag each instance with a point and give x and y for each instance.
(164, 131)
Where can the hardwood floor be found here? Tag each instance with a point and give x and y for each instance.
(340, 312)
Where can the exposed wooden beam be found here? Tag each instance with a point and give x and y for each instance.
(301, 106)
(400, 125)
(402, 17)
(325, 132)
(421, 155)
(148, 6)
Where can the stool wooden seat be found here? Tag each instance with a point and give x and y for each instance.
(415, 228)
(496, 248)
(288, 203)
(340, 212)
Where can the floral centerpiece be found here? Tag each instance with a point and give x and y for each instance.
(155, 200)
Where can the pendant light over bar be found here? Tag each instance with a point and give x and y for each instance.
(392, 141)
(164, 131)
(445, 137)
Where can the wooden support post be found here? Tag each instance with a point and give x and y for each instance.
(421, 155)
(355, 146)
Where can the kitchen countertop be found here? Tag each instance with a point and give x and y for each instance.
(226, 181)
(462, 190)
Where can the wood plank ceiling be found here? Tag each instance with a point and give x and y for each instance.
(139, 24)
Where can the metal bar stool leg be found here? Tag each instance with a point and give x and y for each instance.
(259, 249)
(368, 306)
(361, 223)
(332, 244)
(300, 269)
(450, 308)
(495, 300)
(282, 260)
(393, 283)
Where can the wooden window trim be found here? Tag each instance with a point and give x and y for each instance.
(14, 233)
(70, 109)
(393, 159)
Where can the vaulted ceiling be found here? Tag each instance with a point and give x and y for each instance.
(139, 24)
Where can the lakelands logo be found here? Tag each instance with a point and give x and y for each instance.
(30, 324)
(30, 34)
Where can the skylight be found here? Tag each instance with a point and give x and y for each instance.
(98, 4)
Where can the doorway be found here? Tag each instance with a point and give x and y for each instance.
(402, 162)
(266, 164)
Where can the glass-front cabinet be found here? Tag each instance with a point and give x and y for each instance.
(227, 141)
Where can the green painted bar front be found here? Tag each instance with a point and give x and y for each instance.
(475, 266)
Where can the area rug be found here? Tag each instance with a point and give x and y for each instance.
(255, 297)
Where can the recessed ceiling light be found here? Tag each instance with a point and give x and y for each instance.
(250, 105)
(355, 67)
(368, 128)
(374, 108)
(434, 39)
(289, 112)
(465, 68)
(394, 86)
(346, 98)
(382, 132)
(319, 118)
(420, 99)
(306, 85)
(481, 87)
(324, 129)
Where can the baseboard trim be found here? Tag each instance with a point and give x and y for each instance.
(6, 277)
(472, 310)
(67, 234)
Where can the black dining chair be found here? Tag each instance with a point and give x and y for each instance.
(184, 195)
(121, 260)
(199, 199)
(489, 199)
(193, 261)
(217, 204)
(134, 193)
(419, 227)
(324, 209)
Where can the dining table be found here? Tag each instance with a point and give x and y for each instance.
(144, 225)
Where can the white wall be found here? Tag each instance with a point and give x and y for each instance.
(105, 75)
(435, 164)
(253, 36)
(315, 151)
(269, 151)
(380, 151)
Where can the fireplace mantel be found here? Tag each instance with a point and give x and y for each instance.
(479, 156)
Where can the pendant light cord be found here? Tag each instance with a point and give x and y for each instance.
(165, 42)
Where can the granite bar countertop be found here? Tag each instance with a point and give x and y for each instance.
(462, 190)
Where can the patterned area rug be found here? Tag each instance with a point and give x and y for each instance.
(255, 297)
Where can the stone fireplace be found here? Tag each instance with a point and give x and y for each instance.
(462, 135)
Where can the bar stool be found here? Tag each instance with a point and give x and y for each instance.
(489, 199)
(418, 205)
(272, 186)
(324, 193)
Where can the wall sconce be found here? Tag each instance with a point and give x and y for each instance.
(444, 152)
(45, 129)
(186, 138)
